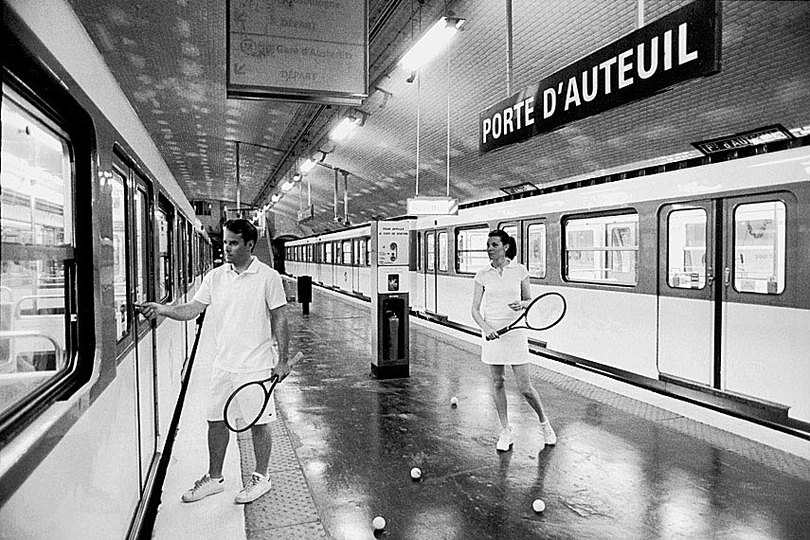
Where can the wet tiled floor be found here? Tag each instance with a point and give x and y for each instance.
(621, 469)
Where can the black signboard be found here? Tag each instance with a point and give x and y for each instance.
(677, 47)
(762, 135)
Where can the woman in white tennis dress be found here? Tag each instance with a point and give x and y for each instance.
(502, 292)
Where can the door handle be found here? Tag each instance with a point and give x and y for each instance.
(710, 276)
(727, 274)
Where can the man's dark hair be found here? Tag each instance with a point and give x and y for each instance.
(244, 228)
(507, 241)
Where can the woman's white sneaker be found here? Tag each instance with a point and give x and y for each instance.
(257, 486)
(204, 487)
(549, 436)
(505, 440)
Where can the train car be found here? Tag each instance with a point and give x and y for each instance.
(337, 260)
(92, 223)
(690, 278)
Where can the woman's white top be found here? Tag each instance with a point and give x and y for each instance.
(500, 289)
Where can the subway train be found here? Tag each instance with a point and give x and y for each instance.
(690, 278)
(92, 224)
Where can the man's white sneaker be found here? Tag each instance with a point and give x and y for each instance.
(204, 487)
(548, 433)
(505, 440)
(255, 488)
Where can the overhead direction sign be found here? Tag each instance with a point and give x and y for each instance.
(430, 206)
(677, 47)
(307, 50)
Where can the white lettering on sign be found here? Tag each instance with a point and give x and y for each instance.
(509, 119)
(617, 72)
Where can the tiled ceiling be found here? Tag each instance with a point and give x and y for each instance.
(169, 58)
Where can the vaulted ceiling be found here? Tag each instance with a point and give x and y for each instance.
(169, 57)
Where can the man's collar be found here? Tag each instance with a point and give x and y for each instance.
(252, 268)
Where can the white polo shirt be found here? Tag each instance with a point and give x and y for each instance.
(501, 288)
(239, 309)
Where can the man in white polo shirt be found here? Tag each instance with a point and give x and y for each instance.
(245, 301)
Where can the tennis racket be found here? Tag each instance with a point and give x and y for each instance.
(247, 403)
(544, 312)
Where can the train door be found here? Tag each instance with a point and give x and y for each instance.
(144, 361)
(761, 333)
(687, 295)
(431, 273)
(722, 284)
(356, 260)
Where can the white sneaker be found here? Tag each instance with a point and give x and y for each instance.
(505, 440)
(204, 487)
(255, 488)
(548, 433)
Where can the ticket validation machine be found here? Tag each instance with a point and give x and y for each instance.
(389, 299)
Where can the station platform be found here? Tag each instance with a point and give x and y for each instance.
(345, 443)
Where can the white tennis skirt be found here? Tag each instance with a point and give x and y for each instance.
(510, 349)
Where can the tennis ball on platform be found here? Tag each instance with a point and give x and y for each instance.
(538, 505)
(416, 473)
(454, 401)
(378, 523)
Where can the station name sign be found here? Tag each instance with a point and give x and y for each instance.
(677, 47)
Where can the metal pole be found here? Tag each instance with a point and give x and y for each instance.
(335, 194)
(238, 187)
(509, 47)
(418, 119)
(640, 14)
(448, 125)
(345, 197)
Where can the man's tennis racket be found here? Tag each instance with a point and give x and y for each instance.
(544, 312)
(248, 402)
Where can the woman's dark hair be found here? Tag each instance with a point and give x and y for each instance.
(508, 242)
(242, 227)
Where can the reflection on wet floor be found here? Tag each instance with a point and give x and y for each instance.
(619, 470)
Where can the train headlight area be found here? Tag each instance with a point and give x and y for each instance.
(656, 168)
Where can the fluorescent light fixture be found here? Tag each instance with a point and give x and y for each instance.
(275, 198)
(432, 43)
(308, 165)
(296, 177)
(287, 186)
(344, 129)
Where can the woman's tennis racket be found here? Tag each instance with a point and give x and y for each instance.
(544, 312)
(248, 402)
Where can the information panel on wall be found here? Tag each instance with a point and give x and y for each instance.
(677, 47)
(298, 50)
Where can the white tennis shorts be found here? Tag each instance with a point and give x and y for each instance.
(223, 384)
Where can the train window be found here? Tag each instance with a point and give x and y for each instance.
(471, 249)
(347, 252)
(536, 233)
(512, 230)
(419, 251)
(430, 252)
(686, 245)
(443, 251)
(164, 277)
(190, 254)
(364, 252)
(141, 226)
(36, 228)
(120, 254)
(601, 249)
(759, 247)
(327, 252)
